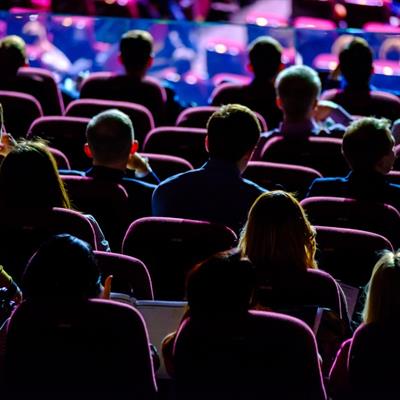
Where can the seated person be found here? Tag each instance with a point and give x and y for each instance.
(223, 350)
(298, 89)
(12, 58)
(259, 95)
(111, 145)
(136, 55)
(357, 96)
(55, 340)
(367, 365)
(368, 147)
(216, 192)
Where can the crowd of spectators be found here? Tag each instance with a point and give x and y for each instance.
(235, 339)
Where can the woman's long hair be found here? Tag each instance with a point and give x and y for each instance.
(277, 236)
(382, 304)
(29, 178)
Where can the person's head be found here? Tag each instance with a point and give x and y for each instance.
(232, 133)
(277, 237)
(110, 139)
(12, 54)
(64, 267)
(29, 178)
(356, 62)
(298, 89)
(265, 57)
(225, 281)
(382, 304)
(136, 48)
(368, 145)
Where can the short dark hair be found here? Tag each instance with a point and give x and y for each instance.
(64, 267)
(109, 136)
(232, 131)
(136, 47)
(265, 56)
(366, 141)
(356, 62)
(12, 54)
(225, 282)
(298, 87)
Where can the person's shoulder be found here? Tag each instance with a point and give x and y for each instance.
(384, 96)
(226, 92)
(178, 179)
(138, 183)
(326, 186)
(254, 187)
(330, 94)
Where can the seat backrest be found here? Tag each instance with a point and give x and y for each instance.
(322, 154)
(67, 134)
(20, 110)
(170, 247)
(91, 349)
(197, 117)
(358, 214)
(53, 104)
(165, 166)
(349, 254)
(106, 201)
(142, 119)
(130, 275)
(262, 355)
(187, 143)
(61, 159)
(373, 353)
(22, 231)
(291, 178)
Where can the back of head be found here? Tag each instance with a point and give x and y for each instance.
(232, 132)
(355, 62)
(223, 282)
(382, 305)
(136, 47)
(63, 268)
(265, 57)
(298, 88)
(12, 55)
(365, 142)
(110, 135)
(29, 178)
(277, 237)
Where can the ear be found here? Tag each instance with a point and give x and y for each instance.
(281, 67)
(279, 102)
(134, 147)
(87, 150)
(249, 67)
(107, 287)
(150, 62)
(206, 143)
(120, 59)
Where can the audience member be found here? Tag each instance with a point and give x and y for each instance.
(136, 55)
(279, 240)
(111, 145)
(12, 58)
(358, 97)
(368, 147)
(259, 95)
(30, 183)
(216, 192)
(223, 350)
(366, 366)
(298, 89)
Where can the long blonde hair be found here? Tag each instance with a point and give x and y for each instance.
(383, 297)
(277, 236)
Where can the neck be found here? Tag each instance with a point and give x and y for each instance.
(114, 165)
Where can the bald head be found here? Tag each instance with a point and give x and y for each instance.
(110, 136)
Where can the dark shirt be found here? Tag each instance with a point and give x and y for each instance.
(371, 186)
(259, 96)
(139, 193)
(363, 101)
(125, 88)
(215, 192)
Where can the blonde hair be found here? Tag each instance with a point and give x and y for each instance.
(383, 298)
(277, 236)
